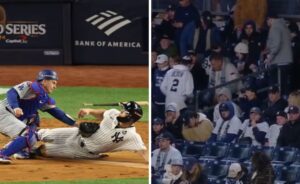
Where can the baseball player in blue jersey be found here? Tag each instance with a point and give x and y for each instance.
(19, 117)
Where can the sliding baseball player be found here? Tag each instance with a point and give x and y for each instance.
(116, 132)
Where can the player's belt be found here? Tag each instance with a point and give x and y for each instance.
(82, 145)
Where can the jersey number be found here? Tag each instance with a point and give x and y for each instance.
(174, 86)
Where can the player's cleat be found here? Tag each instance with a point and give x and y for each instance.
(5, 160)
(22, 155)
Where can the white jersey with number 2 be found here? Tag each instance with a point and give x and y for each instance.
(67, 143)
(178, 83)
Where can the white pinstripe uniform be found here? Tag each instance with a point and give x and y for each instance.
(67, 143)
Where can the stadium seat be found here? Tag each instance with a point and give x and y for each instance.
(285, 155)
(277, 169)
(216, 150)
(267, 150)
(297, 158)
(289, 174)
(194, 149)
(179, 144)
(217, 170)
(238, 152)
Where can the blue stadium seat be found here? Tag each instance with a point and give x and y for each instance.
(216, 150)
(277, 169)
(179, 144)
(297, 159)
(217, 170)
(194, 149)
(238, 152)
(285, 155)
(267, 150)
(289, 174)
(205, 162)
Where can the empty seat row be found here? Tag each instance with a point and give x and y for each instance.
(238, 152)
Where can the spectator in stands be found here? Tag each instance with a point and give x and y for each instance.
(235, 174)
(157, 129)
(174, 60)
(279, 52)
(186, 20)
(178, 84)
(164, 154)
(295, 36)
(289, 134)
(198, 73)
(173, 120)
(224, 95)
(254, 129)
(194, 172)
(253, 39)
(174, 173)
(158, 98)
(196, 127)
(166, 26)
(166, 46)
(207, 35)
(153, 59)
(227, 126)
(247, 100)
(263, 171)
(281, 119)
(221, 72)
(294, 98)
(244, 65)
(273, 104)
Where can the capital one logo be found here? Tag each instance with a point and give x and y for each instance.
(108, 21)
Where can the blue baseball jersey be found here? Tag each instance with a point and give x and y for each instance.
(158, 77)
(30, 97)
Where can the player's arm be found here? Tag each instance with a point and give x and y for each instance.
(61, 115)
(13, 101)
(97, 113)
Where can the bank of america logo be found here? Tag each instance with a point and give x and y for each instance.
(108, 21)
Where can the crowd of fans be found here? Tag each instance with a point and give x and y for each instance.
(191, 54)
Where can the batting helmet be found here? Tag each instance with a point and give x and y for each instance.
(135, 112)
(47, 75)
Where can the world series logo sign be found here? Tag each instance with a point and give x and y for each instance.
(108, 21)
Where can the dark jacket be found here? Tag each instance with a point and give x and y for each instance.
(266, 176)
(271, 109)
(290, 135)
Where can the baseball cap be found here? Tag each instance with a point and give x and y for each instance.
(170, 7)
(250, 88)
(255, 110)
(177, 162)
(171, 107)
(241, 48)
(293, 109)
(223, 107)
(189, 163)
(281, 113)
(165, 36)
(157, 121)
(233, 170)
(191, 52)
(165, 135)
(161, 58)
(186, 59)
(224, 91)
(273, 89)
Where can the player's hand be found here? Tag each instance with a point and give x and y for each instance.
(18, 112)
(83, 112)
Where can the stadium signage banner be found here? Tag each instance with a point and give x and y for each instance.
(110, 32)
(31, 33)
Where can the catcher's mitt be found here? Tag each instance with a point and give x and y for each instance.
(87, 129)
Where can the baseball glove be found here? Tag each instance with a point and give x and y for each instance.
(87, 129)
